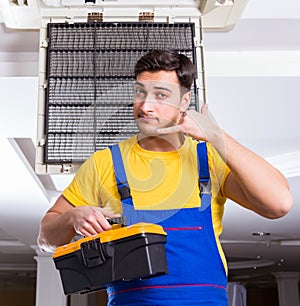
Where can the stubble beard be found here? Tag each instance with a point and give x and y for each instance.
(150, 129)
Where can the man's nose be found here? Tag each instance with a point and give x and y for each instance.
(148, 103)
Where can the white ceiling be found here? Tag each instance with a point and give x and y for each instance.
(253, 76)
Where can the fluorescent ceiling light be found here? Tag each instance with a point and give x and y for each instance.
(11, 243)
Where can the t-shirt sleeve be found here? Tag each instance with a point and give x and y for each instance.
(218, 170)
(84, 188)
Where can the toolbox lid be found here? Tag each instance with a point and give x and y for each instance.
(111, 235)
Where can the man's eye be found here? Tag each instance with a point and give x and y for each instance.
(139, 92)
(161, 96)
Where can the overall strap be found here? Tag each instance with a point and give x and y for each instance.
(120, 173)
(204, 177)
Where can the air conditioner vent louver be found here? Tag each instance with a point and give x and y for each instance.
(90, 76)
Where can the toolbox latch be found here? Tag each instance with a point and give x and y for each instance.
(92, 253)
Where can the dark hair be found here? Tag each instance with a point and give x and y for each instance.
(168, 60)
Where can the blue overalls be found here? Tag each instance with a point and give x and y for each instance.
(196, 274)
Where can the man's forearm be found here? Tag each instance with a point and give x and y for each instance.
(265, 188)
(55, 230)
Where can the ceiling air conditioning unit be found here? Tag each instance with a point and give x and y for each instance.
(217, 15)
(88, 49)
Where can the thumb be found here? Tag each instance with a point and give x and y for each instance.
(169, 130)
(106, 213)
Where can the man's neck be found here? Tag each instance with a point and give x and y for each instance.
(161, 143)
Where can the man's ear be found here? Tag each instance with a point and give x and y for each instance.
(185, 101)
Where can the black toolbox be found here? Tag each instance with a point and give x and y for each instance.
(120, 254)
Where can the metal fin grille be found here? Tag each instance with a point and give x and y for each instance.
(90, 73)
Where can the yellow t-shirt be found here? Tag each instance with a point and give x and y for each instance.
(157, 180)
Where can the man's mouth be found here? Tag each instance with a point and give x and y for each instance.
(146, 118)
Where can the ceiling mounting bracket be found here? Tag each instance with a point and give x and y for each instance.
(95, 17)
(146, 17)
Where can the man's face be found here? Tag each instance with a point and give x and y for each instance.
(157, 101)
